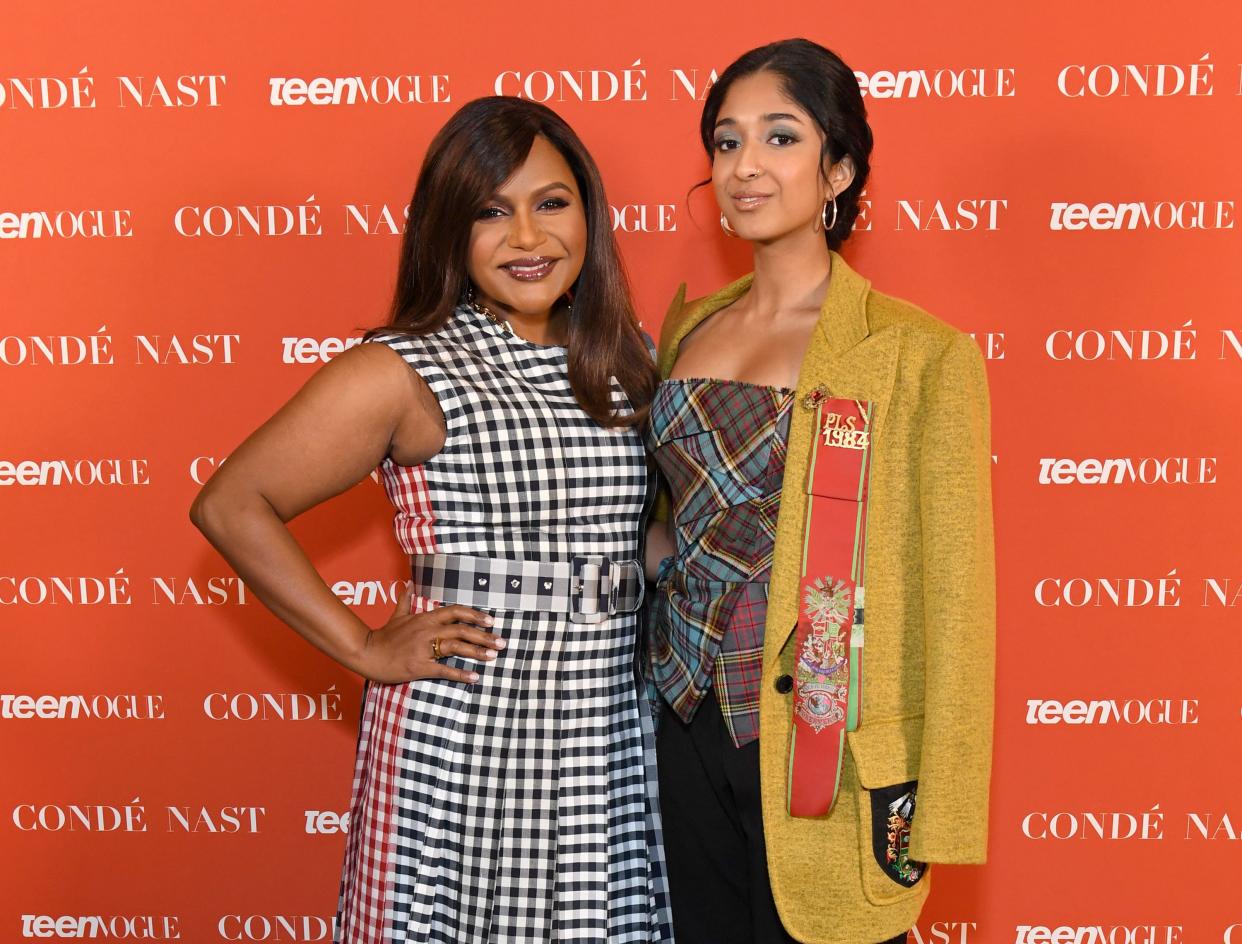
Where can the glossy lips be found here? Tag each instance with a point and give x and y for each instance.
(749, 199)
(530, 269)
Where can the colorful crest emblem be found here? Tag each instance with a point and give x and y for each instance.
(823, 670)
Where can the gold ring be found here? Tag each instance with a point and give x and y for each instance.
(435, 648)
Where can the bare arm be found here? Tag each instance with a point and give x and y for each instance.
(659, 546)
(363, 405)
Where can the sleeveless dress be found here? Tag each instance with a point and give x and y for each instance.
(521, 808)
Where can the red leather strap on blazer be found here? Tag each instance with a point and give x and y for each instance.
(828, 670)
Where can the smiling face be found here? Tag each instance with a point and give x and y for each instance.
(768, 171)
(529, 241)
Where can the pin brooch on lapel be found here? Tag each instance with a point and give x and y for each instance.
(814, 398)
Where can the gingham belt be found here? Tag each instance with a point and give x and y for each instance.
(589, 589)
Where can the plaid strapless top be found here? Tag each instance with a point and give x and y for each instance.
(721, 447)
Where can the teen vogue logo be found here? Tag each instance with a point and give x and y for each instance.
(38, 472)
(66, 224)
(48, 707)
(1131, 711)
(109, 927)
(369, 592)
(1163, 215)
(938, 83)
(313, 350)
(1183, 470)
(326, 822)
(359, 90)
(1100, 934)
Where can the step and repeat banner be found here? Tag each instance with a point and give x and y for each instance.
(200, 204)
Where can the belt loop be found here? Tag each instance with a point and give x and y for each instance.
(586, 589)
(614, 585)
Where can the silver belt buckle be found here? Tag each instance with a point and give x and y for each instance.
(589, 586)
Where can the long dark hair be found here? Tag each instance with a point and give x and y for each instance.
(481, 147)
(827, 90)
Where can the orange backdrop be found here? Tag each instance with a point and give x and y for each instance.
(199, 203)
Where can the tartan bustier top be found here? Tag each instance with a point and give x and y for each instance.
(720, 445)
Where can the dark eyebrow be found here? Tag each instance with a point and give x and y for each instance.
(774, 116)
(555, 185)
(545, 189)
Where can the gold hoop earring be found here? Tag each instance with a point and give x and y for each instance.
(724, 225)
(829, 224)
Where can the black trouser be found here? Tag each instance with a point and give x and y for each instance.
(713, 834)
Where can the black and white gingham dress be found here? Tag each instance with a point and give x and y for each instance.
(521, 808)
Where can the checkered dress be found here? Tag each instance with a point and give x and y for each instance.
(721, 446)
(521, 808)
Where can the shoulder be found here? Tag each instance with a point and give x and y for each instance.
(374, 365)
(935, 355)
(942, 363)
(925, 337)
(922, 332)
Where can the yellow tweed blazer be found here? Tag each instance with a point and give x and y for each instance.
(929, 653)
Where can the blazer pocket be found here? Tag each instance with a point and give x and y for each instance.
(886, 760)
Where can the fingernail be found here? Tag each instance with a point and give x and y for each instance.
(488, 620)
(499, 643)
(489, 654)
(474, 676)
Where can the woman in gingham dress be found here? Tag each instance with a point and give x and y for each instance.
(503, 790)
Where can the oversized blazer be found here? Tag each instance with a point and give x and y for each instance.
(929, 650)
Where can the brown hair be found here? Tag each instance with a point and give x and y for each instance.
(481, 147)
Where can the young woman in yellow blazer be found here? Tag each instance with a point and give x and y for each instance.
(818, 439)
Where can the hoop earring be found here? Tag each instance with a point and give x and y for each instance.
(829, 224)
(724, 225)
